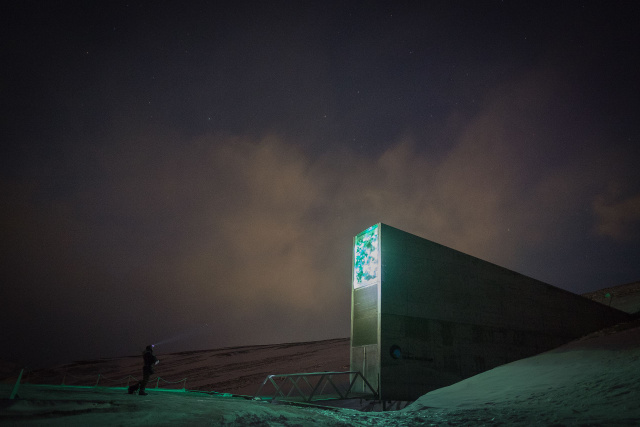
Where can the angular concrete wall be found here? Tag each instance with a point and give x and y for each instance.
(435, 316)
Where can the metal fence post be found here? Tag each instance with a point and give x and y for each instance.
(17, 386)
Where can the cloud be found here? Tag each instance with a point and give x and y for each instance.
(254, 234)
(618, 218)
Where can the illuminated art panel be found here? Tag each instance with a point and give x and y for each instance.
(366, 267)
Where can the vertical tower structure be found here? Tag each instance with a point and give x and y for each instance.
(424, 316)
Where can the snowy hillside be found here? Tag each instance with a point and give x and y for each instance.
(238, 370)
(595, 381)
(591, 381)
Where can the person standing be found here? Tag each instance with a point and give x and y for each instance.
(150, 360)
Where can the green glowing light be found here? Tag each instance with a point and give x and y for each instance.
(366, 266)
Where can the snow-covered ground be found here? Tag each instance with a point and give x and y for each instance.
(591, 381)
(623, 297)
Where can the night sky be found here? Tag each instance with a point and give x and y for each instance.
(196, 171)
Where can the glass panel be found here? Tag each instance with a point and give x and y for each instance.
(366, 269)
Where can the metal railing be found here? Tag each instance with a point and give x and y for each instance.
(90, 380)
(301, 386)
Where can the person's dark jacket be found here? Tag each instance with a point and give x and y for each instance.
(149, 361)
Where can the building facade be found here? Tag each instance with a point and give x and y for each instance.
(425, 316)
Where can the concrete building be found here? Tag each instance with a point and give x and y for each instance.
(425, 316)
